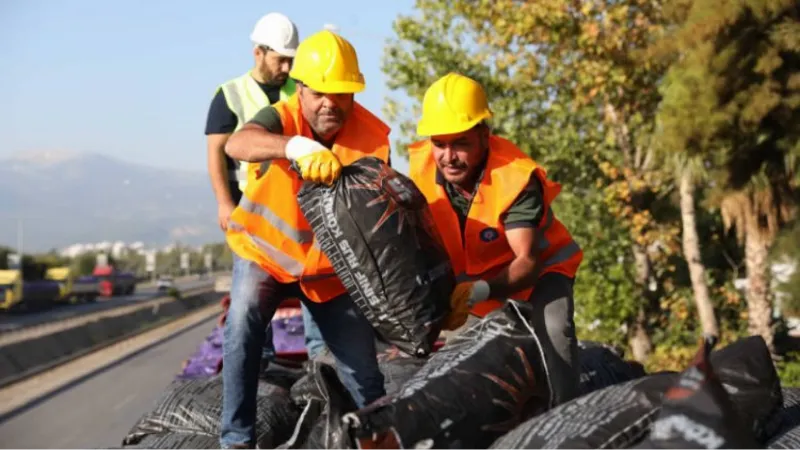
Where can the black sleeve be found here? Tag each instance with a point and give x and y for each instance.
(221, 120)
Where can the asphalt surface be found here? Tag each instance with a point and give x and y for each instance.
(15, 321)
(98, 412)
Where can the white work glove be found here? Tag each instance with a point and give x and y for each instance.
(315, 162)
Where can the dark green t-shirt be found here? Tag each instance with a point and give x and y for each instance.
(525, 212)
(268, 118)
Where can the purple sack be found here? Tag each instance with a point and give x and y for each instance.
(203, 363)
(288, 337)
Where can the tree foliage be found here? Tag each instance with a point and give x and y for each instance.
(732, 102)
(615, 99)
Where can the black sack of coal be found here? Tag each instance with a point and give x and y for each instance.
(375, 227)
(748, 373)
(481, 384)
(194, 407)
(788, 439)
(783, 427)
(614, 417)
(324, 400)
(619, 416)
(603, 366)
(396, 366)
(177, 440)
(697, 411)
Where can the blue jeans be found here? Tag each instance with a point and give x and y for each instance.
(314, 342)
(313, 338)
(346, 332)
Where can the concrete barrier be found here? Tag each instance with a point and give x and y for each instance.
(24, 358)
(8, 367)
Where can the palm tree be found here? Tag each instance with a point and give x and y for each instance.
(691, 171)
(744, 63)
(757, 212)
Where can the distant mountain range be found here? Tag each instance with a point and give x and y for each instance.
(66, 198)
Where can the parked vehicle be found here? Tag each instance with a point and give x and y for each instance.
(17, 293)
(113, 282)
(164, 283)
(73, 290)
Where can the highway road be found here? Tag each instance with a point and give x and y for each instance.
(15, 321)
(98, 411)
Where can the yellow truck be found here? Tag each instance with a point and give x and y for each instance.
(72, 290)
(10, 289)
(26, 294)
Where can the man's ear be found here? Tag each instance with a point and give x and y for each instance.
(258, 52)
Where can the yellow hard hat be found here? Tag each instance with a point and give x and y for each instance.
(327, 63)
(453, 103)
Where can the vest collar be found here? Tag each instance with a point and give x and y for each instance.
(286, 89)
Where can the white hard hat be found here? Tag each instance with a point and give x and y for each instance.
(277, 32)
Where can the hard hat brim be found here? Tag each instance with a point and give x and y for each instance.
(334, 87)
(426, 128)
(290, 52)
(284, 51)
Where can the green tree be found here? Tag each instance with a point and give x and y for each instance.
(785, 251)
(567, 85)
(84, 264)
(740, 66)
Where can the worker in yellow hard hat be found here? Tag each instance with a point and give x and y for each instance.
(305, 138)
(493, 206)
(275, 39)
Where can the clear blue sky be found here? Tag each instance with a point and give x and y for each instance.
(134, 79)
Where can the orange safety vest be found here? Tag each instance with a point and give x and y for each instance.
(483, 250)
(268, 228)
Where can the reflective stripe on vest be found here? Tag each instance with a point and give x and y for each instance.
(245, 98)
(299, 236)
(288, 264)
(268, 228)
(481, 250)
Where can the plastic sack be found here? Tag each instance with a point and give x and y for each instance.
(324, 400)
(602, 366)
(482, 383)
(193, 407)
(614, 417)
(203, 363)
(697, 411)
(172, 439)
(783, 428)
(748, 373)
(288, 333)
(620, 416)
(375, 227)
(788, 439)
